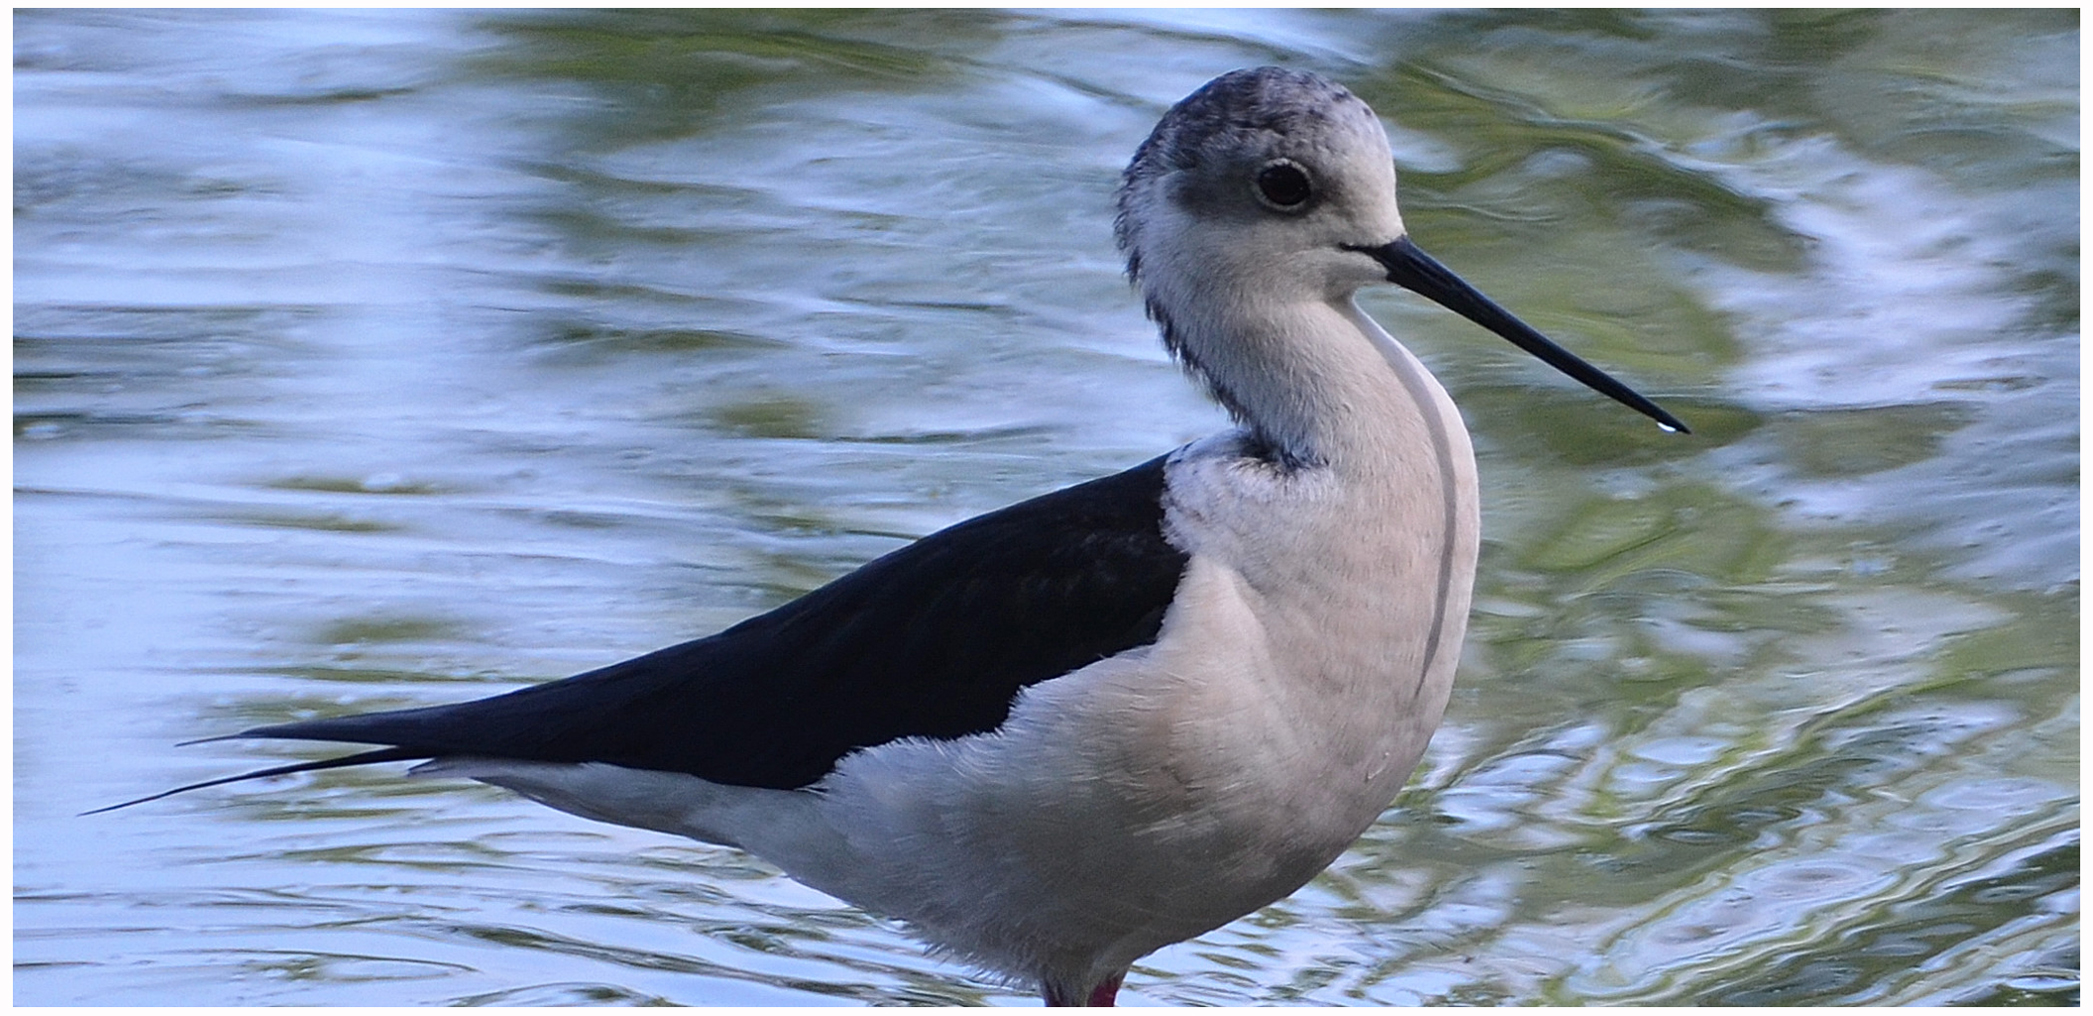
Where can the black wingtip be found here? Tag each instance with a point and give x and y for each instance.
(358, 759)
(221, 737)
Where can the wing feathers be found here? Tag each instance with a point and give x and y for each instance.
(932, 640)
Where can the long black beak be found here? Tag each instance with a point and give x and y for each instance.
(1416, 271)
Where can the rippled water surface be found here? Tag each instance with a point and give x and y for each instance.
(367, 360)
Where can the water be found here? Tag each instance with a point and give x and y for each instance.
(368, 360)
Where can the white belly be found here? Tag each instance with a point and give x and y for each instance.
(1156, 795)
(1150, 797)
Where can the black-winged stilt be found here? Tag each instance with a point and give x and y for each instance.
(1057, 737)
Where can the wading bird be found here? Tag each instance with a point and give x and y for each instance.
(1060, 736)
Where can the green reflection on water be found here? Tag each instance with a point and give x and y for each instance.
(720, 304)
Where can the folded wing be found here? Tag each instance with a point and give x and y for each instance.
(933, 640)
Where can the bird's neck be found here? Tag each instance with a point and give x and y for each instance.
(1319, 383)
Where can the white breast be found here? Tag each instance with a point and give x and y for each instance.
(1147, 798)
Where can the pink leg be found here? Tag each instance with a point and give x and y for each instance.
(1105, 993)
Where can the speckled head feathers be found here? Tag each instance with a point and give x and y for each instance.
(1252, 198)
(1257, 110)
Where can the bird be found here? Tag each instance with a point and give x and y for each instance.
(1052, 739)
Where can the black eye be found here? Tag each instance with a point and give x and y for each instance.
(1284, 186)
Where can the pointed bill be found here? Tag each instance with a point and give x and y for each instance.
(1416, 271)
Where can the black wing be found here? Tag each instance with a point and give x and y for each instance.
(932, 640)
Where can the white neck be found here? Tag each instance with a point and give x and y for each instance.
(1322, 383)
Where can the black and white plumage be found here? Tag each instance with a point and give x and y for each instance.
(918, 643)
(1057, 737)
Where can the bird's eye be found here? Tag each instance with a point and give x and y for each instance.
(1284, 186)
